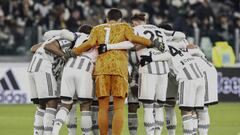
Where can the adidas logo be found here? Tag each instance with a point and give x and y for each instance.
(9, 82)
(10, 91)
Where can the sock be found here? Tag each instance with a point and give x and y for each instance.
(159, 119)
(171, 120)
(132, 123)
(38, 122)
(95, 119)
(187, 124)
(149, 121)
(118, 116)
(195, 124)
(86, 122)
(60, 120)
(203, 121)
(103, 113)
(72, 121)
(48, 120)
(110, 118)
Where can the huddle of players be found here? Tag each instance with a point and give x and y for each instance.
(159, 77)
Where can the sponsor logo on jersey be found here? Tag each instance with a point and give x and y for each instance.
(10, 91)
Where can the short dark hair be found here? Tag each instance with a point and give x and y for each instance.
(166, 26)
(85, 28)
(114, 14)
(138, 17)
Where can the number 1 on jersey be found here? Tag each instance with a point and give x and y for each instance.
(107, 35)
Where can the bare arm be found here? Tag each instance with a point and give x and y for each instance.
(53, 47)
(35, 47)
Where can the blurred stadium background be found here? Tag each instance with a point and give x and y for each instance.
(214, 25)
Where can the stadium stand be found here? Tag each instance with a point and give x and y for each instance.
(22, 22)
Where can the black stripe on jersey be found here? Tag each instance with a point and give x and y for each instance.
(49, 83)
(88, 66)
(149, 68)
(32, 63)
(73, 62)
(194, 70)
(206, 98)
(206, 61)
(187, 73)
(38, 65)
(140, 84)
(81, 63)
(157, 67)
(198, 70)
(181, 92)
(4, 84)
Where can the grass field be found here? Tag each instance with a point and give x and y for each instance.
(18, 119)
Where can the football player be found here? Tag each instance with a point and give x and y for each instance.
(190, 81)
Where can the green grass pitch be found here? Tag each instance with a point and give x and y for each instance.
(18, 119)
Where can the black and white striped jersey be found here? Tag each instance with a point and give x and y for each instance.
(47, 62)
(151, 32)
(181, 63)
(84, 61)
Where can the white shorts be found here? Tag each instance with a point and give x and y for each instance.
(172, 89)
(76, 81)
(211, 88)
(191, 93)
(152, 87)
(43, 85)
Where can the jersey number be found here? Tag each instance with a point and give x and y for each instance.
(174, 51)
(107, 35)
(153, 34)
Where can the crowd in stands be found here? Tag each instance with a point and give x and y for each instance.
(21, 21)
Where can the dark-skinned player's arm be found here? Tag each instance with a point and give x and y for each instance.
(34, 48)
(86, 45)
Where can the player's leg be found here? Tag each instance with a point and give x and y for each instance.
(94, 109)
(67, 93)
(195, 122)
(110, 116)
(133, 105)
(119, 90)
(84, 85)
(172, 93)
(40, 109)
(72, 120)
(147, 97)
(203, 121)
(186, 104)
(103, 92)
(161, 92)
(203, 116)
(47, 87)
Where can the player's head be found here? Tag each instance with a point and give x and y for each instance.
(114, 14)
(138, 19)
(85, 28)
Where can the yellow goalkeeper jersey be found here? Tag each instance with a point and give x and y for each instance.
(114, 62)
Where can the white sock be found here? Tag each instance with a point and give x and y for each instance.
(48, 120)
(95, 119)
(110, 117)
(187, 124)
(72, 121)
(132, 123)
(149, 121)
(171, 120)
(195, 124)
(60, 120)
(86, 122)
(38, 122)
(203, 121)
(159, 119)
